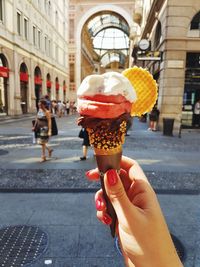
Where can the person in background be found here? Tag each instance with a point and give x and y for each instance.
(43, 128)
(64, 108)
(60, 108)
(143, 234)
(67, 107)
(48, 101)
(153, 119)
(85, 144)
(197, 114)
(54, 107)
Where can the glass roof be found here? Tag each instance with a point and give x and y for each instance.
(100, 22)
(109, 33)
(112, 57)
(110, 38)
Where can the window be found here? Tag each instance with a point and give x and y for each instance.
(19, 30)
(49, 48)
(34, 35)
(71, 72)
(56, 20)
(49, 8)
(45, 43)
(26, 28)
(71, 29)
(195, 23)
(1, 10)
(56, 52)
(64, 30)
(39, 39)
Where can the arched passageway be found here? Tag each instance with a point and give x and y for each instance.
(48, 85)
(38, 85)
(105, 39)
(4, 82)
(24, 88)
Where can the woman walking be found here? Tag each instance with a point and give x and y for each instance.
(42, 128)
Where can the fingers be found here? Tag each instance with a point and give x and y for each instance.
(93, 174)
(101, 208)
(118, 197)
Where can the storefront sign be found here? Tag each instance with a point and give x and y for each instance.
(4, 72)
(57, 86)
(24, 76)
(38, 80)
(175, 64)
(48, 84)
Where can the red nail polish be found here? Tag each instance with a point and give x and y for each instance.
(112, 177)
(99, 204)
(92, 175)
(106, 219)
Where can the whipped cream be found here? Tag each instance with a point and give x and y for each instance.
(109, 83)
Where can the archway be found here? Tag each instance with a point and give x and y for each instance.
(4, 78)
(57, 88)
(38, 85)
(195, 23)
(24, 87)
(64, 91)
(103, 8)
(105, 33)
(48, 85)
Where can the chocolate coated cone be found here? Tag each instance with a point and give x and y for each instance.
(104, 163)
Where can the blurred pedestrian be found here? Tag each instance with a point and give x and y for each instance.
(67, 107)
(42, 127)
(153, 119)
(86, 142)
(197, 114)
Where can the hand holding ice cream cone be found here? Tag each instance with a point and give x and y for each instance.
(106, 103)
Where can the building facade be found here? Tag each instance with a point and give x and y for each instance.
(33, 53)
(82, 59)
(173, 29)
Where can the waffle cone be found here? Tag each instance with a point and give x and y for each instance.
(145, 87)
(107, 141)
(104, 163)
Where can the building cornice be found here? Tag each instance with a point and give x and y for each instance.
(155, 8)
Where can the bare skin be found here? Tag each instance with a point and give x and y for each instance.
(144, 236)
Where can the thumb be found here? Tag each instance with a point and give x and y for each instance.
(117, 195)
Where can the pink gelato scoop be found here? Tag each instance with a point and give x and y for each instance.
(105, 96)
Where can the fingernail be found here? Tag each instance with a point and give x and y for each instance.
(107, 219)
(99, 204)
(112, 177)
(92, 174)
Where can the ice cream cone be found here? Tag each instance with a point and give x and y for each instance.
(106, 103)
(104, 163)
(107, 139)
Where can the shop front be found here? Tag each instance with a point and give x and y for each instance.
(24, 88)
(4, 78)
(191, 90)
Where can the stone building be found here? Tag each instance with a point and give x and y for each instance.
(172, 28)
(89, 20)
(33, 53)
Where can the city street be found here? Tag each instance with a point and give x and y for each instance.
(56, 197)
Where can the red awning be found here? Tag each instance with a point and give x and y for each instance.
(24, 76)
(4, 72)
(38, 80)
(57, 86)
(48, 84)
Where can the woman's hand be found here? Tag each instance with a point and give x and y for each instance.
(143, 233)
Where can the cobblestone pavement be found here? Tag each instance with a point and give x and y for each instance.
(76, 238)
